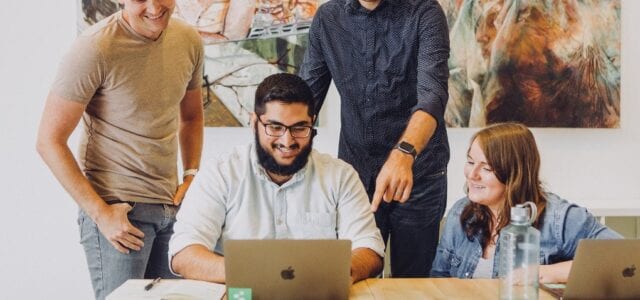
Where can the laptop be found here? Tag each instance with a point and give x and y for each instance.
(602, 269)
(287, 269)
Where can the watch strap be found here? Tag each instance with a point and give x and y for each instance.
(189, 172)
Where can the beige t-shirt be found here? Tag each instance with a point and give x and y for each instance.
(132, 86)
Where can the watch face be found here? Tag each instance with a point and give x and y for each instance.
(406, 148)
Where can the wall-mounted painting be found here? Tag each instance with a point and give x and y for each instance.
(545, 63)
(245, 41)
(541, 62)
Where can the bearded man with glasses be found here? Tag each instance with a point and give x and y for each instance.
(275, 188)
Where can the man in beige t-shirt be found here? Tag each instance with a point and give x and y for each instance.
(134, 80)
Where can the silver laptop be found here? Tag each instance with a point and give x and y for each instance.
(287, 269)
(604, 269)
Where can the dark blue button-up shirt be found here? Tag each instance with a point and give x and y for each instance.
(386, 63)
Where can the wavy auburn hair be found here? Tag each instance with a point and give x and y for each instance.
(511, 151)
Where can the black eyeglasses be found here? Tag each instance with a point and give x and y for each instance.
(278, 130)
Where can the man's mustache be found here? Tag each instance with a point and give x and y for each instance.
(295, 146)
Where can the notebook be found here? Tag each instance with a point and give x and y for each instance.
(173, 289)
(602, 269)
(287, 269)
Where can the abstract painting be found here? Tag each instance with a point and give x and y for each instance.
(545, 63)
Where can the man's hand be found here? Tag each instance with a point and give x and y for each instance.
(115, 226)
(182, 190)
(395, 179)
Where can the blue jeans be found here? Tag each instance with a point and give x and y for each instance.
(110, 268)
(414, 226)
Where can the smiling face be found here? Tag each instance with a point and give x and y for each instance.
(484, 187)
(148, 17)
(282, 155)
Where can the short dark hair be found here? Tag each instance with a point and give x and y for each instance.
(283, 87)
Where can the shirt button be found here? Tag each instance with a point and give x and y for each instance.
(279, 222)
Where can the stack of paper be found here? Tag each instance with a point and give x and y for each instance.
(169, 289)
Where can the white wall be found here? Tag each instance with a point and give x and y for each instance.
(40, 257)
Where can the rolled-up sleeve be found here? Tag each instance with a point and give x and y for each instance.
(202, 213)
(355, 219)
(433, 69)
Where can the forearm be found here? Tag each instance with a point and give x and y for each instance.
(59, 118)
(556, 273)
(365, 263)
(419, 130)
(197, 262)
(191, 129)
(190, 135)
(191, 139)
(64, 167)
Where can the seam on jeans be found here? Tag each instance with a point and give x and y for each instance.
(81, 225)
(100, 258)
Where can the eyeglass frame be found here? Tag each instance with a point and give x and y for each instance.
(286, 128)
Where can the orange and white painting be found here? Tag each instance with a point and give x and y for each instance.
(540, 62)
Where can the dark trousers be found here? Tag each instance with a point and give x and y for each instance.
(414, 226)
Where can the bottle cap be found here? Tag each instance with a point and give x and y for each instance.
(520, 213)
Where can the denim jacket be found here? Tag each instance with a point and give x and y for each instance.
(563, 225)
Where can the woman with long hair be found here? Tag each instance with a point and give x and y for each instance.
(502, 170)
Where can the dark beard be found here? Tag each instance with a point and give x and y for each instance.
(271, 165)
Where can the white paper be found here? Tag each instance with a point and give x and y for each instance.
(168, 289)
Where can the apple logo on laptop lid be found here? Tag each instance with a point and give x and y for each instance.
(287, 274)
(629, 271)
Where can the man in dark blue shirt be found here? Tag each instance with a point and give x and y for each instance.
(388, 59)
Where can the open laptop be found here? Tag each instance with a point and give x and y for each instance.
(287, 269)
(603, 269)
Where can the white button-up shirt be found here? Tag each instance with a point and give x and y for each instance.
(234, 198)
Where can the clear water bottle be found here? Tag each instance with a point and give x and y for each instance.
(519, 248)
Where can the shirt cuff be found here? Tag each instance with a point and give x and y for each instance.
(430, 103)
(371, 243)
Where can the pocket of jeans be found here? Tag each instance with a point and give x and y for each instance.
(429, 190)
(436, 175)
(80, 221)
(86, 227)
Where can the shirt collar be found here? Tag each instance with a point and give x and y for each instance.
(354, 5)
